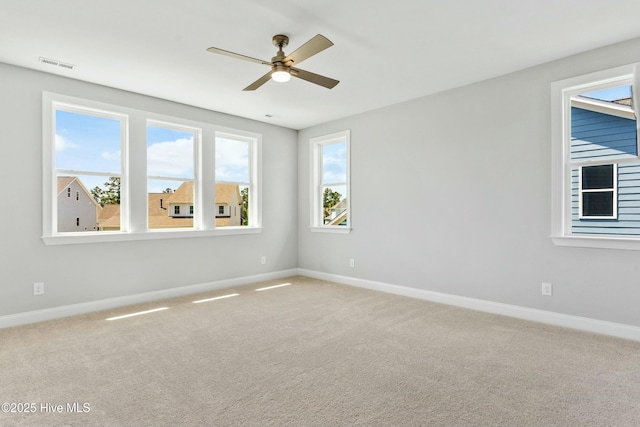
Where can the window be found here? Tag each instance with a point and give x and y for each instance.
(596, 167)
(171, 160)
(330, 207)
(136, 173)
(598, 192)
(87, 158)
(236, 183)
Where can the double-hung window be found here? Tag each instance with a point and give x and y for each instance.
(595, 164)
(86, 158)
(171, 159)
(112, 173)
(236, 187)
(330, 205)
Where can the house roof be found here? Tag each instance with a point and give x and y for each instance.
(65, 181)
(158, 204)
(614, 108)
(184, 194)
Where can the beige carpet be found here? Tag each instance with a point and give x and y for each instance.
(314, 354)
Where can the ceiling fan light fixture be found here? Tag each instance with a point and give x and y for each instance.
(280, 74)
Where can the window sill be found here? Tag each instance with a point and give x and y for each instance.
(598, 242)
(331, 229)
(114, 236)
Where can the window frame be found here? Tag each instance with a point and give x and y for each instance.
(613, 189)
(561, 164)
(317, 219)
(254, 215)
(134, 199)
(197, 152)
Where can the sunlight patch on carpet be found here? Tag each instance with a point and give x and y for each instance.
(139, 313)
(273, 287)
(215, 298)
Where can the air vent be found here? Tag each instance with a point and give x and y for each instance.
(56, 63)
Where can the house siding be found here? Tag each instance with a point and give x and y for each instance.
(70, 208)
(598, 136)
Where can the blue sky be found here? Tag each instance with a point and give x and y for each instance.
(610, 94)
(334, 166)
(92, 144)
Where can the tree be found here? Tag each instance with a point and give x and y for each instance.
(244, 216)
(110, 195)
(168, 190)
(330, 198)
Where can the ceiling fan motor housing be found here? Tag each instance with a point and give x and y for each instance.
(280, 41)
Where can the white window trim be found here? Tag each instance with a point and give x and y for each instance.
(198, 222)
(255, 175)
(134, 212)
(316, 144)
(561, 92)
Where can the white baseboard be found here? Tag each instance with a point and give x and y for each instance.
(558, 319)
(105, 304)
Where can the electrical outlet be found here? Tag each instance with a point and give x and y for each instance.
(263, 260)
(352, 262)
(547, 289)
(38, 288)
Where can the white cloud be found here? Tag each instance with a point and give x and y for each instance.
(60, 143)
(111, 155)
(171, 158)
(232, 160)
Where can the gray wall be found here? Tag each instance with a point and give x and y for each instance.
(83, 273)
(452, 193)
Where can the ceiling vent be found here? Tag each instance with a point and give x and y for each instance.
(57, 63)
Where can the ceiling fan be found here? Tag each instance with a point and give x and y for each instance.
(282, 66)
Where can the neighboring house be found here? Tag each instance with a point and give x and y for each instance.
(175, 210)
(605, 196)
(77, 209)
(337, 214)
(109, 218)
(228, 205)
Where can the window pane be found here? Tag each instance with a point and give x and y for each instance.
(334, 202)
(232, 205)
(233, 180)
(597, 204)
(619, 95)
(232, 160)
(334, 163)
(88, 203)
(169, 152)
(603, 125)
(87, 143)
(597, 177)
(169, 204)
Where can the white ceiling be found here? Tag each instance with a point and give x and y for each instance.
(385, 52)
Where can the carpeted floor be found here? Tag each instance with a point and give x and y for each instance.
(313, 353)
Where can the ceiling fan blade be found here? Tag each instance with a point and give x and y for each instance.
(314, 78)
(237, 55)
(316, 45)
(262, 80)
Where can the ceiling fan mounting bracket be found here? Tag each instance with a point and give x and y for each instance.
(281, 41)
